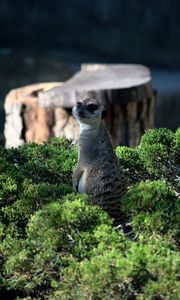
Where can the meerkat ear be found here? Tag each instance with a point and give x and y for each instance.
(104, 114)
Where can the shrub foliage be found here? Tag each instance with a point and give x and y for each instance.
(55, 245)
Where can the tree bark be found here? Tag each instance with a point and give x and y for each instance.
(27, 122)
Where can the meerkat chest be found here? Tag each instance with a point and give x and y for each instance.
(82, 183)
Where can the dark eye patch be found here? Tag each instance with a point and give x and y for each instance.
(92, 107)
(78, 104)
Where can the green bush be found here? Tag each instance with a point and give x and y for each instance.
(55, 245)
(157, 157)
(157, 151)
(34, 262)
(146, 271)
(32, 176)
(155, 207)
(50, 162)
(132, 164)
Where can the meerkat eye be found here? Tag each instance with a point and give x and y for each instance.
(92, 107)
(78, 104)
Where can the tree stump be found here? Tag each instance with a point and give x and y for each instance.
(125, 90)
(37, 112)
(26, 122)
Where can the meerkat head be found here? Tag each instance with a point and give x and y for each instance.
(89, 111)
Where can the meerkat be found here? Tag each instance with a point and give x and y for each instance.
(98, 173)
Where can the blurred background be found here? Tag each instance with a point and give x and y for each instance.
(48, 40)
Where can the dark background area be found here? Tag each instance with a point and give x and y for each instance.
(48, 40)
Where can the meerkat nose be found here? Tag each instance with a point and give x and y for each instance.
(78, 104)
